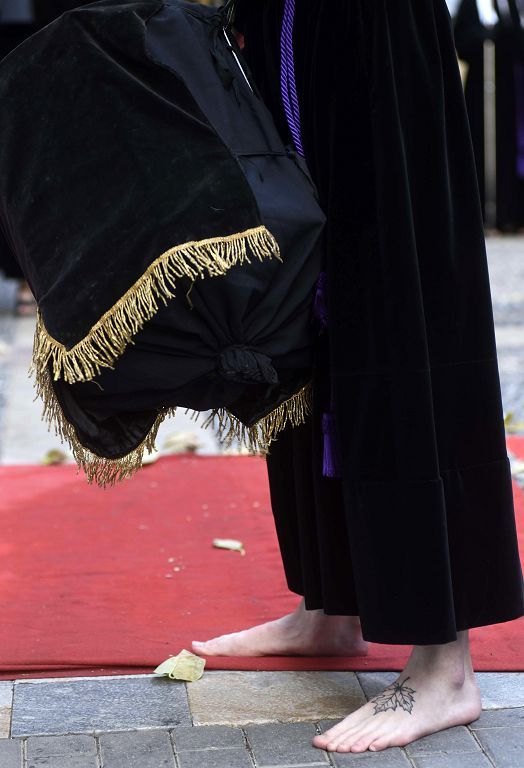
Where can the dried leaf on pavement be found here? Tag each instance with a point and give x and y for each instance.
(184, 666)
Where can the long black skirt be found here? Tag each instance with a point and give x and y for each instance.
(417, 535)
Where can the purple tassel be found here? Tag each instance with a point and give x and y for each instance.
(320, 303)
(332, 462)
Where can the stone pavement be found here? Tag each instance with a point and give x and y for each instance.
(236, 719)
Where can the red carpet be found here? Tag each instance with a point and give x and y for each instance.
(83, 584)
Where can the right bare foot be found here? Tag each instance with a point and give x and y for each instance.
(301, 633)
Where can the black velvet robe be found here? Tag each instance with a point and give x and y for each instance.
(418, 537)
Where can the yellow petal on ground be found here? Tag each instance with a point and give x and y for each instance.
(232, 544)
(184, 666)
(54, 457)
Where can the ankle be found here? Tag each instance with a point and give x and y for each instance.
(449, 663)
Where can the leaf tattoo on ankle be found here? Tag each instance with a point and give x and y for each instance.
(396, 695)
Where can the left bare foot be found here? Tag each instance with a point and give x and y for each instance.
(301, 633)
(437, 690)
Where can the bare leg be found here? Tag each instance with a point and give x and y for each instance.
(436, 690)
(301, 633)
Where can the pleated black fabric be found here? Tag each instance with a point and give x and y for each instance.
(418, 537)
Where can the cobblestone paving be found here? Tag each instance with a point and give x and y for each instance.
(277, 745)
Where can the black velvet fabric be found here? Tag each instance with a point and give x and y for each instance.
(12, 35)
(128, 129)
(109, 189)
(418, 536)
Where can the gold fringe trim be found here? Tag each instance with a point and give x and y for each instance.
(99, 470)
(257, 439)
(106, 472)
(110, 335)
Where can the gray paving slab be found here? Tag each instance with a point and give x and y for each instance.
(10, 753)
(137, 749)
(5, 722)
(451, 741)
(505, 746)
(499, 718)
(72, 706)
(215, 758)
(285, 744)
(62, 752)
(207, 737)
(439, 760)
(6, 694)
(389, 758)
(501, 690)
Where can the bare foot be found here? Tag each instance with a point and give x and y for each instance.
(437, 690)
(301, 633)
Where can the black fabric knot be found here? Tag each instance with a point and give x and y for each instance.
(245, 365)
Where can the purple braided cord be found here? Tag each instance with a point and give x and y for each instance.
(331, 459)
(287, 76)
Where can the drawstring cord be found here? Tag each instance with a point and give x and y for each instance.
(331, 463)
